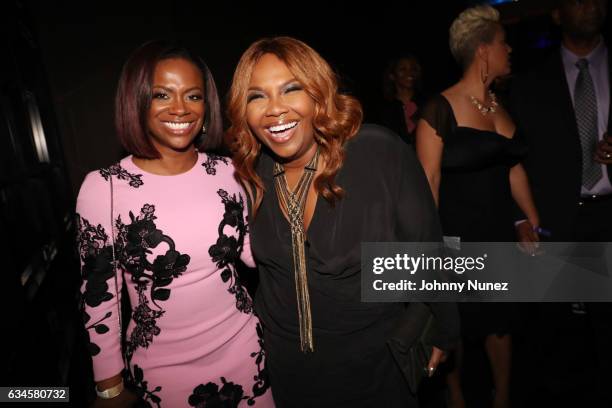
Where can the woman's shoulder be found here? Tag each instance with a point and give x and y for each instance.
(438, 102)
(98, 181)
(101, 176)
(95, 191)
(438, 113)
(215, 164)
(221, 168)
(371, 134)
(376, 144)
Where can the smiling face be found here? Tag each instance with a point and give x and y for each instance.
(279, 111)
(176, 114)
(406, 74)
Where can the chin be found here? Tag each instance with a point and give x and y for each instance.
(179, 146)
(284, 153)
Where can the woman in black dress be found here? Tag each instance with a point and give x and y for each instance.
(291, 127)
(467, 145)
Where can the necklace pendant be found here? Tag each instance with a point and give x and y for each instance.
(485, 110)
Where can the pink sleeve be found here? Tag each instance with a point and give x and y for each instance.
(247, 255)
(98, 290)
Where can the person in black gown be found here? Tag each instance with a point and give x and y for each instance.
(287, 121)
(467, 145)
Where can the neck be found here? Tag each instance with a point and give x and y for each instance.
(170, 163)
(404, 94)
(580, 46)
(471, 82)
(297, 165)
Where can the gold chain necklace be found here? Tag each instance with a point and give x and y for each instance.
(485, 110)
(294, 203)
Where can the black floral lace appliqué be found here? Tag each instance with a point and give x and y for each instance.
(146, 322)
(212, 161)
(211, 395)
(134, 243)
(135, 180)
(226, 251)
(95, 251)
(262, 382)
(229, 395)
(137, 383)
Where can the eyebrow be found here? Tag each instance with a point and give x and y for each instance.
(172, 90)
(256, 88)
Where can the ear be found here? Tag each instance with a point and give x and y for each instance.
(482, 52)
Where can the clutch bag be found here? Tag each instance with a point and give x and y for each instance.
(410, 344)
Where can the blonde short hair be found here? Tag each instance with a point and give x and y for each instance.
(473, 27)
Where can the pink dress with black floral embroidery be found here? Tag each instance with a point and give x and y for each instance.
(192, 337)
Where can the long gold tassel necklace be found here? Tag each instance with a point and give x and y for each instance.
(294, 203)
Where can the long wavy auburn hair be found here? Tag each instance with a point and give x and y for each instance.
(337, 117)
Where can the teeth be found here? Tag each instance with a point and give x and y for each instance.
(283, 127)
(176, 125)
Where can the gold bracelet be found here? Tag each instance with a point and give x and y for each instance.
(111, 392)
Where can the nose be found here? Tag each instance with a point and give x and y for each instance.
(276, 107)
(178, 107)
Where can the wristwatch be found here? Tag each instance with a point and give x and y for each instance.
(111, 392)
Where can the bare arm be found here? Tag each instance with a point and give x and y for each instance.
(525, 231)
(519, 183)
(429, 148)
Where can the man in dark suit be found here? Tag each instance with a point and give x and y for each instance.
(562, 108)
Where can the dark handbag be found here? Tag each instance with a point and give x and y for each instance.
(410, 343)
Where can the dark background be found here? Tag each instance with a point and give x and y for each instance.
(59, 67)
(82, 53)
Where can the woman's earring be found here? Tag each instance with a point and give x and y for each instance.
(203, 128)
(485, 76)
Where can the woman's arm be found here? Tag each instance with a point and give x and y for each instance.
(429, 148)
(98, 291)
(521, 193)
(248, 193)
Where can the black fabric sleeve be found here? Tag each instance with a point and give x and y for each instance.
(439, 115)
(418, 221)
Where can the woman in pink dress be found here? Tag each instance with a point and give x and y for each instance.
(179, 225)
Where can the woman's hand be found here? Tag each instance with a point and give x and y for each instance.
(527, 237)
(437, 356)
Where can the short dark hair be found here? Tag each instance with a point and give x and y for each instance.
(133, 98)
